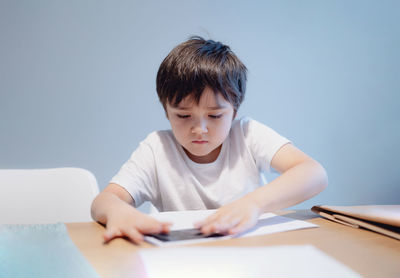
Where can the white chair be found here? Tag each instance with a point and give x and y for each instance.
(41, 196)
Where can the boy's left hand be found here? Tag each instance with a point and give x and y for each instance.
(232, 218)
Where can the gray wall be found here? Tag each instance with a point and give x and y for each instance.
(78, 82)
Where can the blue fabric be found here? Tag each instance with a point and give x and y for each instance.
(40, 251)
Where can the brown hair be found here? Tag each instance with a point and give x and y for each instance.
(197, 63)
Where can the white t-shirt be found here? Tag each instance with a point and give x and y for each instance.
(160, 171)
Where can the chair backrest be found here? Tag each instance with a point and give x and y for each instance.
(39, 196)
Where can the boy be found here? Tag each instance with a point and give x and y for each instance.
(208, 160)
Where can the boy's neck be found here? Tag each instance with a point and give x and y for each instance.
(208, 158)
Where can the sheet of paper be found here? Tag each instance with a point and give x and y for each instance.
(268, 223)
(41, 251)
(234, 262)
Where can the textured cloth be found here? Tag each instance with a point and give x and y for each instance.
(40, 251)
(160, 171)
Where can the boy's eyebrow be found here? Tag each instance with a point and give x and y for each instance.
(217, 107)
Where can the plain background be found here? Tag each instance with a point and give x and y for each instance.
(77, 82)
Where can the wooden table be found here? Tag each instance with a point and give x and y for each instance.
(368, 253)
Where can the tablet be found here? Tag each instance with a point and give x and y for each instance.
(180, 235)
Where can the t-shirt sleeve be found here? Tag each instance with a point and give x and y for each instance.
(263, 142)
(137, 175)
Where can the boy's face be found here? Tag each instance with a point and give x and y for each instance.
(201, 128)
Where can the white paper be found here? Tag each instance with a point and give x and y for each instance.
(268, 223)
(234, 262)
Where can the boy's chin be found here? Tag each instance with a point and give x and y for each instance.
(201, 151)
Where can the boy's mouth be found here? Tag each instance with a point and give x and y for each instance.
(199, 141)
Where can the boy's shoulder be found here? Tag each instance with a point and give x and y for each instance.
(244, 124)
(159, 138)
(250, 128)
(245, 121)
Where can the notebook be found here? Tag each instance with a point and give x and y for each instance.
(384, 219)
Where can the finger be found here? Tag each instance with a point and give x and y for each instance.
(209, 225)
(210, 229)
(241, 227)
(110, 234)
(134, 235)
(166, 227)
(214, 227)
(210, 219)
(222, 226)
(221, 223)
(155, 227)
(199, 224)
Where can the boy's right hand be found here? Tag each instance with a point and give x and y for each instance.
(132, 224)
(114, 208)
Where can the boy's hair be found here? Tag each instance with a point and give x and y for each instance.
(197, 63)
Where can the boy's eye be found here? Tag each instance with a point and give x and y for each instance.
(215, 116)
(183, 116)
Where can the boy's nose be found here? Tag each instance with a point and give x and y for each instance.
(200, 127)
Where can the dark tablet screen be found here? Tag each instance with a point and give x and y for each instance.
(182, 235)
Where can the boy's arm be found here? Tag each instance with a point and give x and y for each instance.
(114, 208)
(301, 178)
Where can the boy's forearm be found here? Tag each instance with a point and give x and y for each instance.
(104, 205)
(292, 187)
